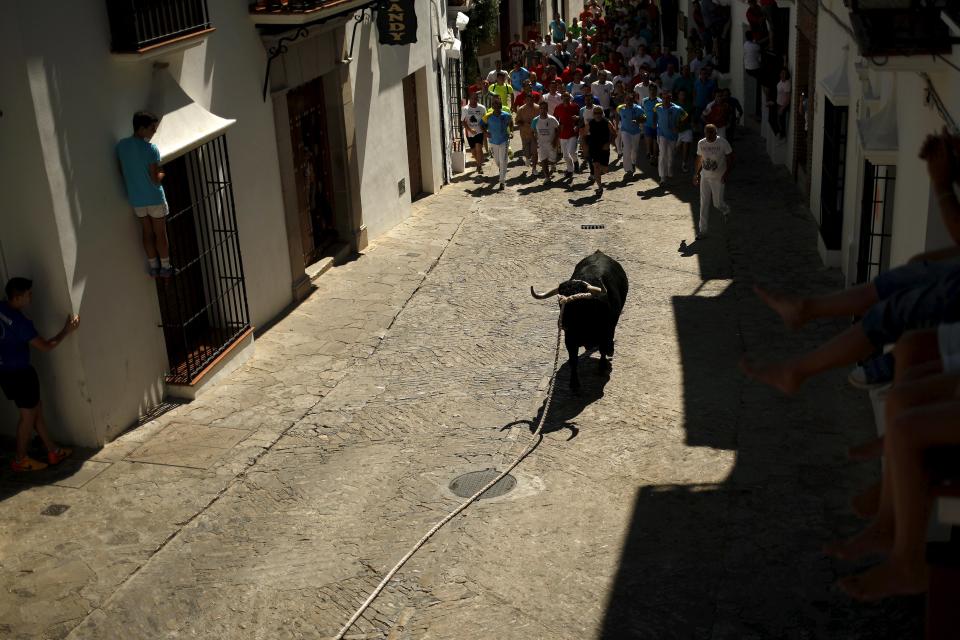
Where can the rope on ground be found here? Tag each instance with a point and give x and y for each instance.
(538, 438)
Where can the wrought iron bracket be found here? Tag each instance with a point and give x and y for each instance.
(357, 19)
(278, 50)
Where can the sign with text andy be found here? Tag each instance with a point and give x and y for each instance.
(397, 22)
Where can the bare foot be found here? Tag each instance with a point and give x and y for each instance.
(867, 503)
(876, 538)
(790, 309)
(869, 450)
(885, 580)
(778, 375)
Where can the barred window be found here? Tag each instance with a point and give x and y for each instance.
(203, 307)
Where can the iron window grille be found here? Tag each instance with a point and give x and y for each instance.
(203, 307)
(455, 96)
(833, 174)
(136, 25)
(876, 220)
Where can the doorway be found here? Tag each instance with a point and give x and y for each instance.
(411, 113)
(310, 141)
(832, 176)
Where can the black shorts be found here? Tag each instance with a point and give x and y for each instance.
(473, 141)
(22, 387)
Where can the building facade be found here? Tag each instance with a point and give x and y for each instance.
(870, 192)
(270, 168)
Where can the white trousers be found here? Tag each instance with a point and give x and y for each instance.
(667, 150)
(499, 153)
(569, 148)
(710, 189)
(630, 143)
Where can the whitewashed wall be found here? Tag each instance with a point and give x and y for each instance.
(916, 223)
(66, 102)
(377, 74)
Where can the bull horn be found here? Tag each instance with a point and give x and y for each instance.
(541, 296)
(594, 290)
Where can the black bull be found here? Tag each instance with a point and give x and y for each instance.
(590, 321)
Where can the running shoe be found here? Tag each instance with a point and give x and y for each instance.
(27, 464)
(58, 456)
(167, 272)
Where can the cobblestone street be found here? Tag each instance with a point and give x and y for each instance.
(670, 499)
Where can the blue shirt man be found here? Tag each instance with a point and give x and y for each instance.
(703, 90)
(649, 106)
(629, 118)
(669, 117)
(16, 332)
(498, 124)
(582, 99)
(136, 155)
(558, 30)
(517, 76)
(536, 86)
(667, 59)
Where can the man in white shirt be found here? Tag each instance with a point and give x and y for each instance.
(636, 41)
(751, 55)
(492, 76)
(553, 98)
(714, 162)
(640, 59)
(668, 77)
(471, 116)
(603, 89)
(625, 49)
(640, 89)
(547, 130)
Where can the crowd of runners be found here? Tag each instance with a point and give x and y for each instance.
(601, 91)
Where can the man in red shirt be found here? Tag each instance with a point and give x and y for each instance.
(526, 94)
(516, 49)
(568, 114)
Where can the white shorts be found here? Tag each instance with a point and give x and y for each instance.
(686, 136)
(948, 338)
(158, 211)
(547, 154)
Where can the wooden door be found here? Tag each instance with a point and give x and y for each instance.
(309, 140)
(411, 115)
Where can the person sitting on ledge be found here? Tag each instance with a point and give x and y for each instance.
(921, 412)
(921, 294)
(18, 379)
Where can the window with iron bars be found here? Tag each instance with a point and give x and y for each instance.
(876, 220)
(137, 25)
(455, 96)
(203, 307)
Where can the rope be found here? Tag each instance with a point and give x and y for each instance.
(466, 503)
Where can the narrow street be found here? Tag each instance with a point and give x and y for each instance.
(670, 499)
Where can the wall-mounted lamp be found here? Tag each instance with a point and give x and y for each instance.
(462, 20)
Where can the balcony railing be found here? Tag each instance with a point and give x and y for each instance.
(139, 25)
(287, 6)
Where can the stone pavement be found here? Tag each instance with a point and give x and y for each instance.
(671, 499)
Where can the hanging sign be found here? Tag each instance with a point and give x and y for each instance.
(397, 22)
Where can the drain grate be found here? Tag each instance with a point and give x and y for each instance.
(469, 483)
(54, 509)
(592, 226)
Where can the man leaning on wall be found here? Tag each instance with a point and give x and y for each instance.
(18, 379)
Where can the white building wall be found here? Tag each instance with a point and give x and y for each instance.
(916, 220)
(67, 102)
(377, 74)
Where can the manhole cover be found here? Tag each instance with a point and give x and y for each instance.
(592, 226)
(469, 483)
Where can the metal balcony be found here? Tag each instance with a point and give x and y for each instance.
(139, 26)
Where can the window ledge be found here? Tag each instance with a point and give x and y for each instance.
(164, 48)
(226, 363)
